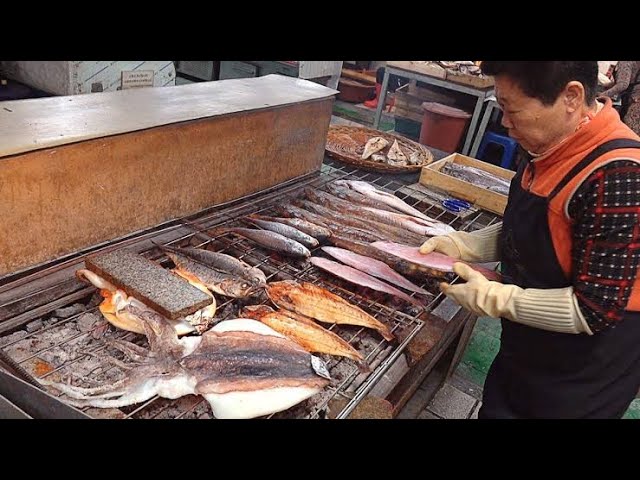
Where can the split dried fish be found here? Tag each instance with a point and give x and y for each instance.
(395, 153)
(304, 331)
(316, 302)
(374, 145)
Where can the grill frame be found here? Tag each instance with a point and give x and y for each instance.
(196, 227)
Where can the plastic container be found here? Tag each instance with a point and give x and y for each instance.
(408, 128)
(443, 126)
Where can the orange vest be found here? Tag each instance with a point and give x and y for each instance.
(550, 169)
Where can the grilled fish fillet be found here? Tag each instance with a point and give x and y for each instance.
(316, 302)
(302, 330)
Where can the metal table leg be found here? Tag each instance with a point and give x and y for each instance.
(472, 125)
(488, 111)
(382, 98)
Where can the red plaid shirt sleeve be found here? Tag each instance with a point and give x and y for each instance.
(606, 242)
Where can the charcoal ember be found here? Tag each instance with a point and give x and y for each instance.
(25, 348)
(96, 299)
(35, 325)
(56, 356)
(51, 321)
(87, 321)
(13, 337)
(67, 312)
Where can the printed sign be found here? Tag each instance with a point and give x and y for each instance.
(137, 78)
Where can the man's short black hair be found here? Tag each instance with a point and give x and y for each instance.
(545, 80)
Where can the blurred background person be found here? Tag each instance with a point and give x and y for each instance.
(626, 84)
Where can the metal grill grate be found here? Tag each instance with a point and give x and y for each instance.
(71, 346)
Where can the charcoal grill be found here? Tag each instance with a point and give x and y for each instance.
(40, 339)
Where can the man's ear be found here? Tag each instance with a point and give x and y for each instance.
(573, 96)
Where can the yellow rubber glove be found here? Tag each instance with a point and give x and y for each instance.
(478, 246)
(548, 309)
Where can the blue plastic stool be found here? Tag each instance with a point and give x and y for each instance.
(508, 145)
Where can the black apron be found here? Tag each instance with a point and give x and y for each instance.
(543, 374)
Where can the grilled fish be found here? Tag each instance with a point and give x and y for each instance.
(271, 240)
(375, 229)
(373, 267)
(335, 226)
(219, 272)
(358, 277)
(400, 265)
(304, 331)
(432, 260)
(345, 193)
(316, 231)
(286, 230)
(372, 219)
(225, 263)
(372, 192)
(316, 302)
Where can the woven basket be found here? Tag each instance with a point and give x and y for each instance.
(346, 144)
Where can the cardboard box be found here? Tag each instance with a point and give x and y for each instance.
(478, 195)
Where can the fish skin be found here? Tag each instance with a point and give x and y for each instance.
(316, 302)
(304, 331)
(345, 193)
(279, 375)
(316, 231)
(217, 281)
(335, 226)
(383, 223)
(268, 239)
(373, 267)
(221, 262)
(361, 278)
(376, 229)
(411, 223)
(433, 260)
(286, 230)
(370, 191)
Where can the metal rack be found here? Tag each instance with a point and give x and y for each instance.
(36, 297)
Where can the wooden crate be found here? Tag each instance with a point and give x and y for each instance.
(479, 196)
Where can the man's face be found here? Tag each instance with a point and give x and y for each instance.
(536, 127)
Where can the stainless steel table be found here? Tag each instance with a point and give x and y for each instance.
(480, 94)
